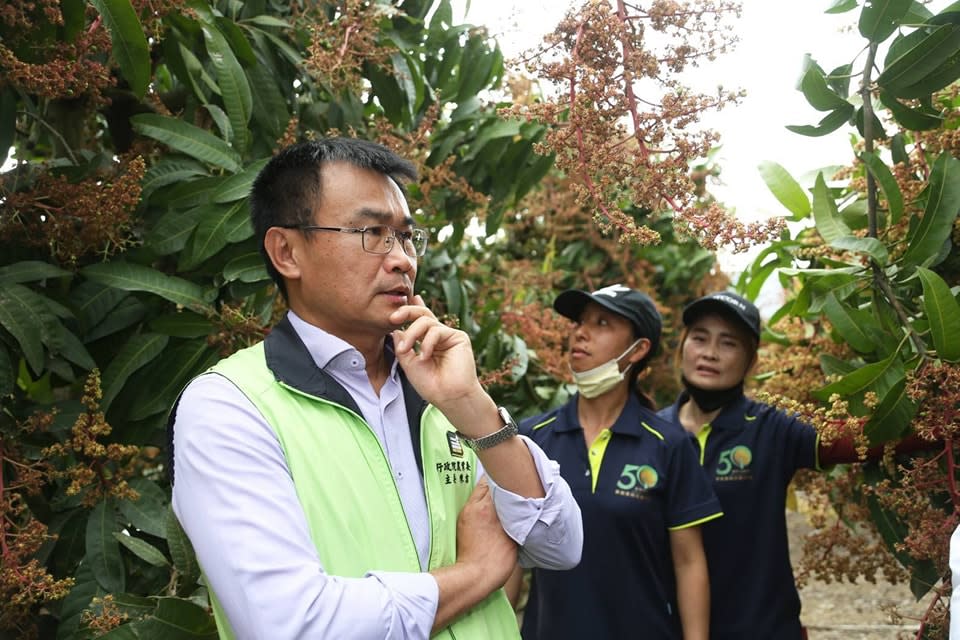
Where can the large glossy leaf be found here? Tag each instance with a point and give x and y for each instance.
(137, 352)
(189, 139)
(880, 18)
(879, 377)
(246, 268)
(135, 277)
(92, 302)
(103, 551)
(73, 350)
(892, 416)
(142, 549)
(943, 314)
(177, 619)
(172, 231)
(217, 223)
(234, 88)
(27, 321)
(237, 187)
(147, 513)
(270, 108)
(828, 221)
(852, 324)
(126, 314)
(170, 170)
(921, 60)
(926, 239)
(820, 96)
(910, 118)
(182, 324)
(173, 370)
(181, 551)
(828, 124)
(130, 48)
(785, 189)
(887, 183)
(30, 271)
(84, 590)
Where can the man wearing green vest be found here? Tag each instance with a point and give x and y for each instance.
(329, 477)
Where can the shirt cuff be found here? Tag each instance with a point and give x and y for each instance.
(519, 514)
(416, 596)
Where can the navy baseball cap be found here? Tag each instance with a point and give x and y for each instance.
(635, 306)
(726, 303)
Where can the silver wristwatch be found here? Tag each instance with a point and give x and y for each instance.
(509, 430)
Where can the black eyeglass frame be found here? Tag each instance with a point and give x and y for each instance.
(414, 236)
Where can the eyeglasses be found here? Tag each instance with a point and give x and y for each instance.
(379, 238)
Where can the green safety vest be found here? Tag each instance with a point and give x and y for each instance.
(345, 483)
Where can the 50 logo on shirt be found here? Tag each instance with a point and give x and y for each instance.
(637, 476)
(734, 461)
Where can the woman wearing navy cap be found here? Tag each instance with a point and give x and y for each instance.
(750, 451)
(641, 491)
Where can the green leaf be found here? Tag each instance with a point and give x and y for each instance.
(870, 246)
(170, 170)
(177, 619)
(830, 123)
(785, 189)
(850, 323)
(213, 232)
(880, 18)
(85, 589)
(892, 416)
(246, 268)
(234, 88)
(186, 138)
(172, 231)
(92, 301)
(943, 202)
(237, 187)
(149, 511)
(137, 352)
(270, 109)
(181, 551)
(24, 322)
(135, 277)
(818, 94)
(173, 370)
(30, 271)
(943, 314)
(268, 21)
(103, 551)
(887, 183)
(182, 324)
(921, 60)
(825, 214)
(142, 549)
(910, 119)
(8, 379)
(73, 350)
(495, 130)
(126, 314)
(130, 48)
(879, 377)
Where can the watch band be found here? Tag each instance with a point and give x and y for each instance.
(509, 430)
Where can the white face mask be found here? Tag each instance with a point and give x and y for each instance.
(599, 380)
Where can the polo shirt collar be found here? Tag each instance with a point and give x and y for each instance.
(627, 423)
(731, 417)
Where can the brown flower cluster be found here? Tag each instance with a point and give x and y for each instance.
(341, 43)
(234, 329)
(621, 127)
(25, 584)
(103, 615)
(94, 470)
(74, 221)
(545, 333)
(714, 227)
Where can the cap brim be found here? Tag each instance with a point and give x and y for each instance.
(571, 302)
(700, 307)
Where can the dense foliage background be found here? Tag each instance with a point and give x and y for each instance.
(137, 126)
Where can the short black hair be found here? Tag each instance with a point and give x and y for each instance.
(286, 189)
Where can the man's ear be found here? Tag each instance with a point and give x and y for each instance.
(640, 351)
(284, 251)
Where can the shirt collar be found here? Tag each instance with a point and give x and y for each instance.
(627, 423)
(332, 352)
(730, 417)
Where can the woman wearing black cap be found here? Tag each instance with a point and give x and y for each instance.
(641, 491)
(750, 451)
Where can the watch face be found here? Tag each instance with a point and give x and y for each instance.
(505, 415)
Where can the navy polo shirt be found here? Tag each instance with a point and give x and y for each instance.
(750, 452)
(638, 480)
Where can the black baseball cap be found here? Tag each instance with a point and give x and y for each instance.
(635, 306)
(728, 304)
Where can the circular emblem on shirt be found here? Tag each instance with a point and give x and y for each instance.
(647, 476)
(741, 456)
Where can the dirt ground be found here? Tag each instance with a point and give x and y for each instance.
(851, 611)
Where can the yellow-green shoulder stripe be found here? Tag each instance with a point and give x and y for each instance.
(651, 430)
(544, 423)
(695, 523)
